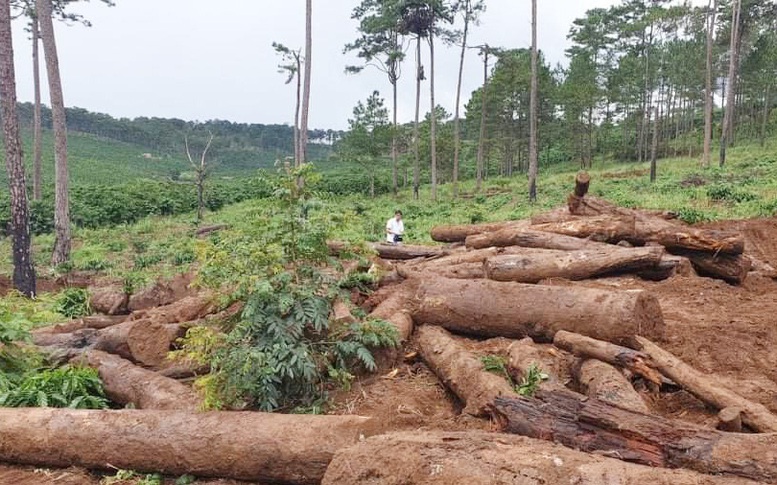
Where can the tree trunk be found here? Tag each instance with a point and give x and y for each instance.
(461, 371)
(396, 310)
(604, 382)
(654, 148)
(23, 272)
(602, 229)
(707, 389)
(533, 162)
(394, 154)
(482, 137)
(416, 131)
(37, 125)
(480, 458)
(433, 118)
(728, 114)
(200, 195)
(588, 348)
(595, 426)
(528, 238)
(407, 251)
(538, 264)
(125, 383)
(303, 137)
(765, 115)
(515, 310)
(459, 233)
(61, 252)
(456, 109)
(524, 354)
(241, 445)
(732, 268)
(297, 138)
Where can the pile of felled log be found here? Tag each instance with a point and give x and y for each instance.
(588, 238)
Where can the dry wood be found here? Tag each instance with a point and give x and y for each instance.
(529, 238)
(669, 266)
(707, 389)
(600, 228)
(586, 347)
(150, 343)
(293, 449)
(460, 370)
(582, 183)
(460, 232)
(728, 267)
(396, 309)
(538, 264)
(602, 381)
(555, 364)
(675, 236)
(126, 383)
(341, 313)
(593, 425)
(96, 322)
(408, 251)
(730, 419)
(480, 458)
(515, 310)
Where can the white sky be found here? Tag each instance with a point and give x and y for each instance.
(202, 59)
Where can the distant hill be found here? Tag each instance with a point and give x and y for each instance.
(104, 149)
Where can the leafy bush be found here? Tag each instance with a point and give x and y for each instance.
(65, 387)
(74, 302)
(729, 193)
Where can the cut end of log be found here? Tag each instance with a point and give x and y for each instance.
(730, 419)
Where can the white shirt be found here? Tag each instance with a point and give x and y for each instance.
(393, 226)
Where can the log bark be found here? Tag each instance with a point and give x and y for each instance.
(408, 251)
(538, 264)
(294, 449)
(480, 458)
(728, 267)
(150, 343)
(459, 233)
(595, 426)
(730, 419)
(125, 383)
(463, 271)
(515, 310)
(669, 266)
(586, 347)
(594, 206)
(524, 353)
(582, 183)
(186, 309)
(396, 309)
(707, 389)
(529, 238)
(601, 228)
(97, 322)
(602, 381)
(341, 313)
(460, 370)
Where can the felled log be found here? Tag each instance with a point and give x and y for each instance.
(515, 310)
(125, 383)
(162, 292)
(707, 389)
(595, 426)
(149, 344)
(669, 266)
(555, 364)
(208, 230)
(396, 309)
(407, 251)
(294, 449)
(71, 340)
(602, 381)
(480, 458)
(461, 271)
(730, 419)
(589, 348)
(186, 309)
(529, 238)
(96, 322)
(600, 228)
(460, 370)
(109, 300)
(538, 264)
(460, 232)
(341, 313)
(675, 236)
(732, 268)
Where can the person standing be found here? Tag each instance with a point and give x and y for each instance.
(395, 228)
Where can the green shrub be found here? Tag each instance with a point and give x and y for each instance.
(74, 302)
(729, 193)
(65, 387)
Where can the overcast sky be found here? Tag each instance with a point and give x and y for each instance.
(200, 59)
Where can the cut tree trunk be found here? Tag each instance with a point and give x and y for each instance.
(730, 419)
(599, 228)
(523, 354)
(396, 310)
(480, 458)
(528, 238)
(728, 267)
(669, 266)
(586, 347)
(675, 236)
(539, 264)
(707, 389)
(595, 426)
(186, 309)
(125, 383)
(459, 233)
(466, 271)
(149, 344)
(602, 381)
(515, 310)
(408, 251)
(460, 370)
(294, 449)
(97, 322)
